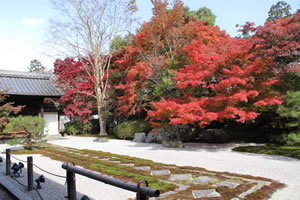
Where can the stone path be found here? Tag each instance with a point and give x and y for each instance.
(192, 179)
(216, 157)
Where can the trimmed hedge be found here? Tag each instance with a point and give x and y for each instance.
(126, 130)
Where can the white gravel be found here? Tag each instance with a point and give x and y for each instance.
(216, 157)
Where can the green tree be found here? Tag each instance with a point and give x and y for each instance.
(33, 127)
(119, 42)
(203, 14)
(36, 66)
(291, 108)
(280, 9)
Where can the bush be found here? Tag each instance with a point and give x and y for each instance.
(127, 129)
(76, 127)
(33, 127)
(293, 139)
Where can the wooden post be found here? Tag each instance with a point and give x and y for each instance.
(29, 173)
(8, 162)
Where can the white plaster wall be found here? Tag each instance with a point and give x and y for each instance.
(51, 119)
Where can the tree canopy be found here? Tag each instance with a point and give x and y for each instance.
(36, 66)
(281, 9)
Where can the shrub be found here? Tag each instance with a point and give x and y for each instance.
(33, 127)
(293, 139)
(127, 129)
(76, 127)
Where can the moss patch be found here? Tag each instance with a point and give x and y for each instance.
(289, 151)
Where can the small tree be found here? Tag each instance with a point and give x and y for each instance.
(36, 66)
(33, 127)
(85, 32)
(6, 109)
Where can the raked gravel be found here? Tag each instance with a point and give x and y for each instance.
(215, 157)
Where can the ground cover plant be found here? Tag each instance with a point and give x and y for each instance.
(272, 149)
(127, 168)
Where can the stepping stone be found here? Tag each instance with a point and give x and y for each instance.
(205, 193)
(115, 161)
(179, 177)
(127, 164)
(160, 172)
(203, 180)
(259, 185)
(143, 168)
(227, 184)
(104, 159)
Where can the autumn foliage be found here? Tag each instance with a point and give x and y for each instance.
(73, 78)
(207, 75)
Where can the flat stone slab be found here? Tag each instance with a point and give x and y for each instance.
(179, 177)
(127, 164)
(104, 159)
(203, 180)
(115, 161)
(227, 184)
(259, 185)
(143, 168)
(205, 193)
(160, 172)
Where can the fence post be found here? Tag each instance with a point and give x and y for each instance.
(30, 173)
(71, 184)
(8, 162)
(139, 195)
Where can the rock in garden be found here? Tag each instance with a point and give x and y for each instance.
(214, 136)
(172, 144)
(139, 137)
(157, 136)
(101, 139)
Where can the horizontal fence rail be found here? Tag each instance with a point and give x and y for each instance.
(142, 191)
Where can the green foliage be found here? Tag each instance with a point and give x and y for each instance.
(15, 141)
(36, 66)
(293, 139)
(165, 86)
(203, 14)
(77, 127)
(119, 42)
(290, 151)
(127, 129)
(280, 9)
(33, 127)
(291, 108)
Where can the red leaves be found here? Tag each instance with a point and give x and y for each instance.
(231, 78)
(78, 87)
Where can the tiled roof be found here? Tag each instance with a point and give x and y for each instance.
(28, 83)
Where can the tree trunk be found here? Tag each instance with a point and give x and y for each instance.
(29, 136)
(102, 121)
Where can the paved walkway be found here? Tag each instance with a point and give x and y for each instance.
(54, 187)
(209, 156)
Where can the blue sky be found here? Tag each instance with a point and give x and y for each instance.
(24, 24)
